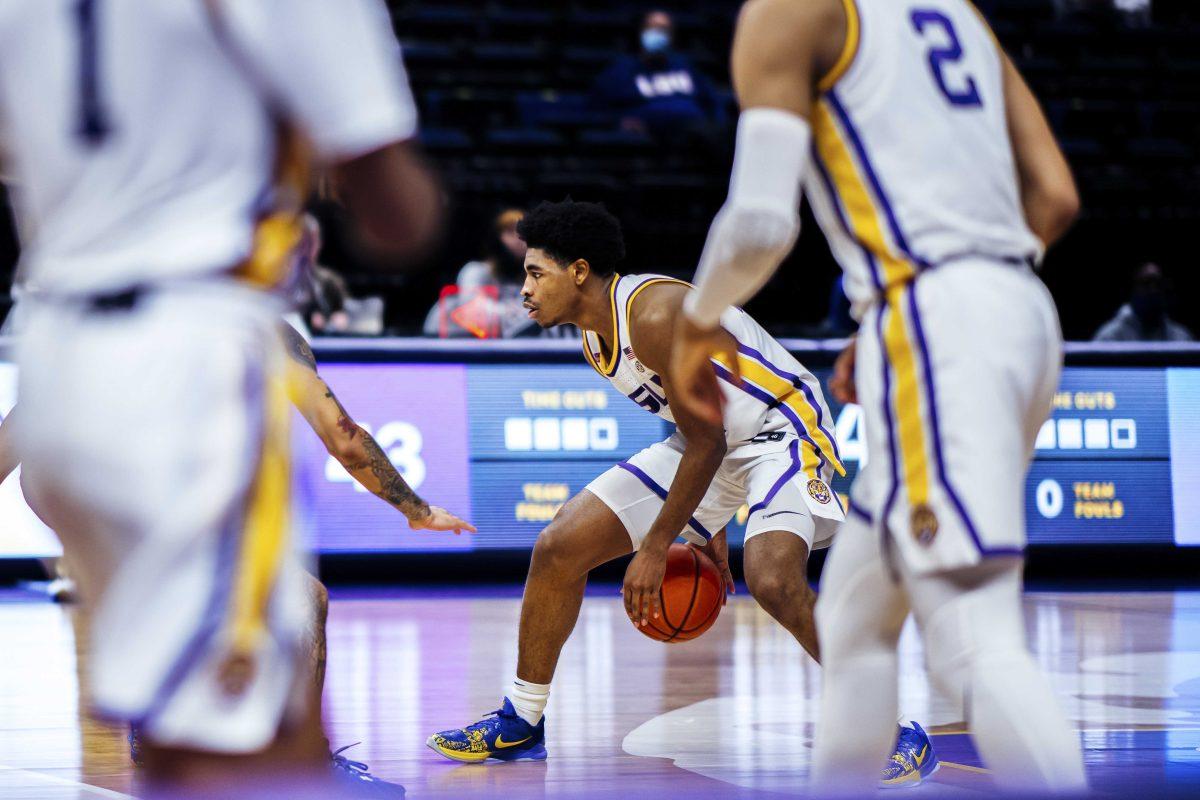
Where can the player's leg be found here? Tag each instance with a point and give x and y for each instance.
(974, 636)
(781, 529)
(988, 346)
(776, 569)
(583, 535)
(315, 646)
(859, 614)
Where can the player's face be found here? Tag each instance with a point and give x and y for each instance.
(548, 288)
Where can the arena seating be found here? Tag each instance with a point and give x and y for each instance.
(503, 87)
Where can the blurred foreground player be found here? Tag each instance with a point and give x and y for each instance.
(776, 452)
(158, 195)
(358, 452)
(938, 183)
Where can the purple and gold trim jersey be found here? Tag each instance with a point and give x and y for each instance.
(912, 162)
(777, 395)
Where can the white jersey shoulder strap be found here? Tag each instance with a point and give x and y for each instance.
(623, 291)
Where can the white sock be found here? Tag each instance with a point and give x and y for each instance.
(529, 699)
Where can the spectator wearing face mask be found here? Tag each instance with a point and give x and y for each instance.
(485, 301)
(658, 90)
(1144, 318)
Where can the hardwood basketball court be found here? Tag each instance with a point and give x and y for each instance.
(727, 715)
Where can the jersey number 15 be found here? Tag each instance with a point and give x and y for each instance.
(945, 51)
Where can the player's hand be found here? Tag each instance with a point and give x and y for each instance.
(718, 550)
(692, 372)
(439, 519)
(841, 384)
(643, 583)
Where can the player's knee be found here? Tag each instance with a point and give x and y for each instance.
(774, 588)
(554, 553)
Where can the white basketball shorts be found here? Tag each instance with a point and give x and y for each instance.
(956, 373)
(154, 436)
(769, 477)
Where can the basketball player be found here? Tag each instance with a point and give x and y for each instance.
(357, 451)
(938, 184)
(776, 452)
(142, 136)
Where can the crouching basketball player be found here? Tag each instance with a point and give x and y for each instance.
(775, 453)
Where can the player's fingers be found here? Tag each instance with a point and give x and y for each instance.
(644, 606)
(655, 604)
(633, 606)
(628, 597)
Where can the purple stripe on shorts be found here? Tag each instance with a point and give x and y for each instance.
(232, 531)
(861, 512)
(661, 492)
(789, 473)
(935, 432)
(891, 436)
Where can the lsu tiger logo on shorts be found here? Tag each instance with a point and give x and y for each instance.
(924, 524)
(819, 490)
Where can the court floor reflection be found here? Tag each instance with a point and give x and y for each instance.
(728, 715)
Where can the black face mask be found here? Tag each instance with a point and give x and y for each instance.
(1150, 307)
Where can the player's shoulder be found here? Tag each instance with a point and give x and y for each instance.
(654, 300)
(297, 346)
(806, 17)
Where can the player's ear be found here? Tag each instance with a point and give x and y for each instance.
(580, 269)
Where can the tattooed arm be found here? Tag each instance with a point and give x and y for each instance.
(351, 445)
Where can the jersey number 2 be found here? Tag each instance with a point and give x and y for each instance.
(92, 126)
(942, 55)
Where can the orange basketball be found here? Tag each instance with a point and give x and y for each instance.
(691, 596)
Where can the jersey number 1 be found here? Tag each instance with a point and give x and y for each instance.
(943, 55)
(92, 126)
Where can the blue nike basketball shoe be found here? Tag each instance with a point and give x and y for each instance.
(502, 735)
(913, 761)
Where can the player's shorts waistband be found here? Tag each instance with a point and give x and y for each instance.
(1029, 261)
(128, 298)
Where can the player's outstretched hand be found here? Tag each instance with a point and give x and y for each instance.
(718, 550)
(841, 383)
(439, 519)
(643, 582)
(692, 372)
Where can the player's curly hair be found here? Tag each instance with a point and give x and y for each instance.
(571, 230)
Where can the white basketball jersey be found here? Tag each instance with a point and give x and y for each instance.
(142, 148)
(913, 166)
(778, 396)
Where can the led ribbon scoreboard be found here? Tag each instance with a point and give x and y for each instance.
(504, 433)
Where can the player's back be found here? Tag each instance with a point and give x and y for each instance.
(915, 165)
(140, 138)
(133, 137)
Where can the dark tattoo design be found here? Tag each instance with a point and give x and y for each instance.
(297, 348)
(392, 486)
(347, 425)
